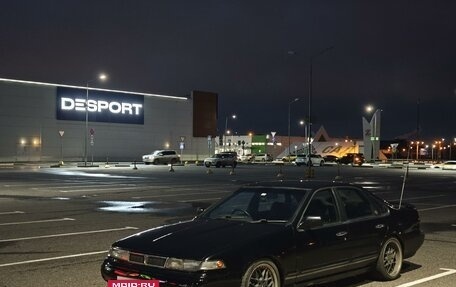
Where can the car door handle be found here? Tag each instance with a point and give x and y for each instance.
(342, 233)
(379, 226)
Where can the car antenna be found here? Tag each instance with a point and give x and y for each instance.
(405, 178)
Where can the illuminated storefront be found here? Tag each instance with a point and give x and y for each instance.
(45, 122)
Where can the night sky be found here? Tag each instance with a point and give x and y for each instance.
(254, 54)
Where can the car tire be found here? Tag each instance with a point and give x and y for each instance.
(207, 164)
(322, 163)
(173, 161)
(156, 161)
(261, 273)
(389, 262)
(146, 163)
(217, 165)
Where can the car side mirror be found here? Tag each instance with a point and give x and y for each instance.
(310, 222)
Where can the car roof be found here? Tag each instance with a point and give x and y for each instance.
(304, 184)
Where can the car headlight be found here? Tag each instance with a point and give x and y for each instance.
(118, 253)
(193, 265)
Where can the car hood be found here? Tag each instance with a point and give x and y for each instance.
(197, 239)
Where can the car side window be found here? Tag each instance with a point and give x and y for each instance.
(323, 204)
(354, 203)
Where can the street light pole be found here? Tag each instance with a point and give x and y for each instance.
(101, 77)
(310, 104)
(289, 122)
(225, 134)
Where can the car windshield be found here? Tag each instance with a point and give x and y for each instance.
(259, 204)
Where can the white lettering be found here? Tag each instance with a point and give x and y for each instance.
(80, 104)
(115, 107)
(137, 107)
(126, 107)
(92, 106)
(67, 104)
(100, 106)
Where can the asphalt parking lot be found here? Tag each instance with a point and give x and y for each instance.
(56, 224)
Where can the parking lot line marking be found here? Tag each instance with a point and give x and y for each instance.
(36, 221)
(438, 207)
(53, 258)
(416, 282)
(101, 189)
(11, 212)
(69, 234)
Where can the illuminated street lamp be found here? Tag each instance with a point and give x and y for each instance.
(227, 132)
(374, 127)
(303, 124)
(102, 77)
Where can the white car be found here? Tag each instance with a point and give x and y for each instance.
(161, 157)
(263, 157)
(451, 164)
(315, 159)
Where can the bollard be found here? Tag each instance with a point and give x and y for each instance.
(107, 163)
(134, 165)
(280, 174)
(171, 169)
(232, 171)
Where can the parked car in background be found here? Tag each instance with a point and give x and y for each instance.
(221, 160)
(315, 159)
(161, 157)
(288, 158)
(262, 157)
(451, 164)
(246, 157)
(352, 158)
(330, 159)
(281, 233)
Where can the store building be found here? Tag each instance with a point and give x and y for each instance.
(50, 122)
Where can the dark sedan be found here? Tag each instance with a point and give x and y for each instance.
(274, 234)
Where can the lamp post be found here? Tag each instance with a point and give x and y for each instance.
(227, 132)
(374, 138)
(289, 119)
(309, 119)
(303, 123)
(101, 77)
(321, 52)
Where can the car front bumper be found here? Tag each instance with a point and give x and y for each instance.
(112, 268)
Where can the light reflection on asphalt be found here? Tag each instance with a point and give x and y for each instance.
(86, 174)
(155, 207)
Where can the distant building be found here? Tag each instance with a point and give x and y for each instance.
(48, 122)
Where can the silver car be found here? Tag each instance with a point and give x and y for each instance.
(221, 160)
(315, 159)
(161, 157)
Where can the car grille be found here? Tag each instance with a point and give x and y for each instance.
(149, 260)
(155, 261)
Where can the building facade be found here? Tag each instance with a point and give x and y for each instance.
(50, 122)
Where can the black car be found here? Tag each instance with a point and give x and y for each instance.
(352, 158)
(274, 234)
